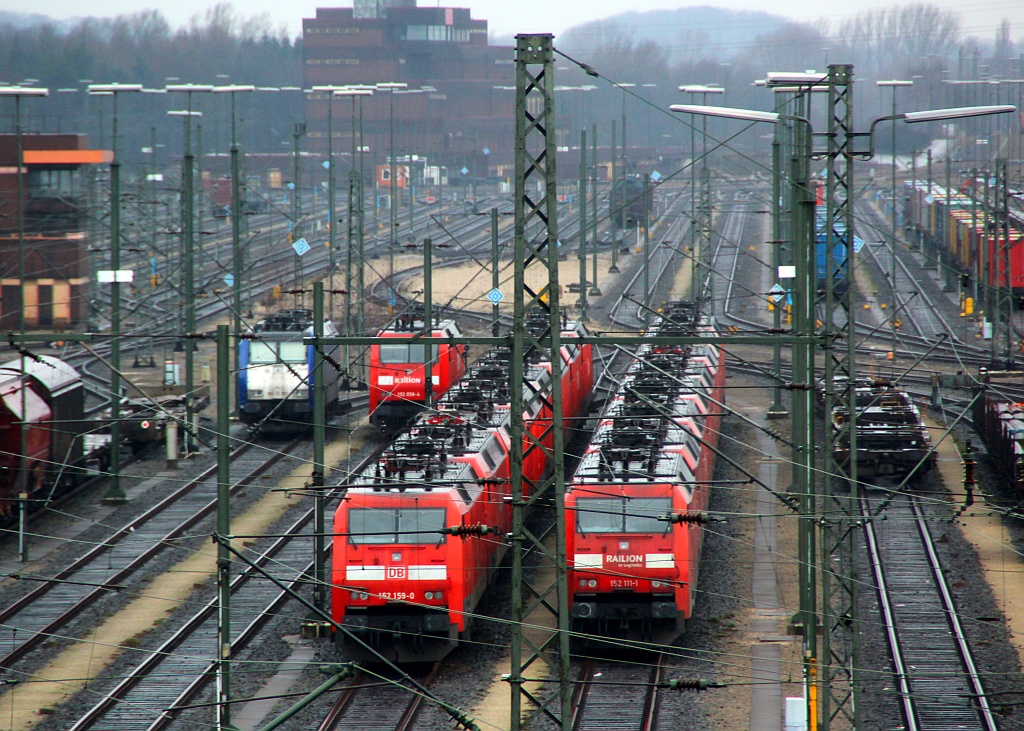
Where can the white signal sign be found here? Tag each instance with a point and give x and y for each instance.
(301, 247)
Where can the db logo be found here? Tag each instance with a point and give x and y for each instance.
(396, 572)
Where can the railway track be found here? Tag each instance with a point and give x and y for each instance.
(148, 697)
(377, 703)
(153, 693)
(613, 696)
(117, 560)
(934, 671)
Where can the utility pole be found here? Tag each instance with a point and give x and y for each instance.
(223, 528)
(581, 195)
(237, 252)
(115, 495)
(535, 163)
(647, 246)
(188, 289)
(495, 273)
(428, 324)
(23, 464)
(838, 665)
(298, 132)
(319, 460)
(612, 209)
(594, 291)
(777, 410)
(1002, 320)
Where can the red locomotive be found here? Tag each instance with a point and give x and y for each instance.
(409, 561)
(633, 564)
(397, 370)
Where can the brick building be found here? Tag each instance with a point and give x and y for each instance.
(55, 241)
(459, 104)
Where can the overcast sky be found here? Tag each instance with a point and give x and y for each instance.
(517, 16)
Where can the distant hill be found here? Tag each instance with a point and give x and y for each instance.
(30, 20)
(684, 32)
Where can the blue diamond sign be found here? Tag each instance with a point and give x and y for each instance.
(229, 280)
(495, 296)
(776, 294)
(464, 170)
(655, 176)
(301, 247)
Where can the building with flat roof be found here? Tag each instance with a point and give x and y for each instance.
(458, 107)
(54, 232)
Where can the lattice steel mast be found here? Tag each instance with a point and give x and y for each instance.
(536, 303)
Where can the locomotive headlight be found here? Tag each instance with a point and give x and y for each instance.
(353, 595)
(364, 596)
(655, 584)
(439, 595)
(592, 583)
(429, 595)
(583, 583)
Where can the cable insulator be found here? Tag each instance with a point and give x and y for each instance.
(698, 685)
(697, 517)
(462, 531)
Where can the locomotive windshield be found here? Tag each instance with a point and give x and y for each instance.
(404, 352)
(264, 352)
(396, 525)
(622, 515)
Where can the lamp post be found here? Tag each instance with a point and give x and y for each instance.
(298, 132)
(115, 494)
(331, 217)
(893, 84)
(188, 288)
(699, 216)
(391, 86)
(355, 203)
(22, 487)
(803, 364)
(237, 266)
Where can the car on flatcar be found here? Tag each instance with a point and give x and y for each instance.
(892, 440)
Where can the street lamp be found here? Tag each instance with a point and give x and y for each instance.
(188, 288)
(391, 86)
(330, 90)
(236, 220)
(22, 488)
(115, 494)
(701, 255)
(894, 84)
(355, 204)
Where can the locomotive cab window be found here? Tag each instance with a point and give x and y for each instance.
(622, 515)
(293, 352)
(396, 525)
(405, 352)
(262, 353)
